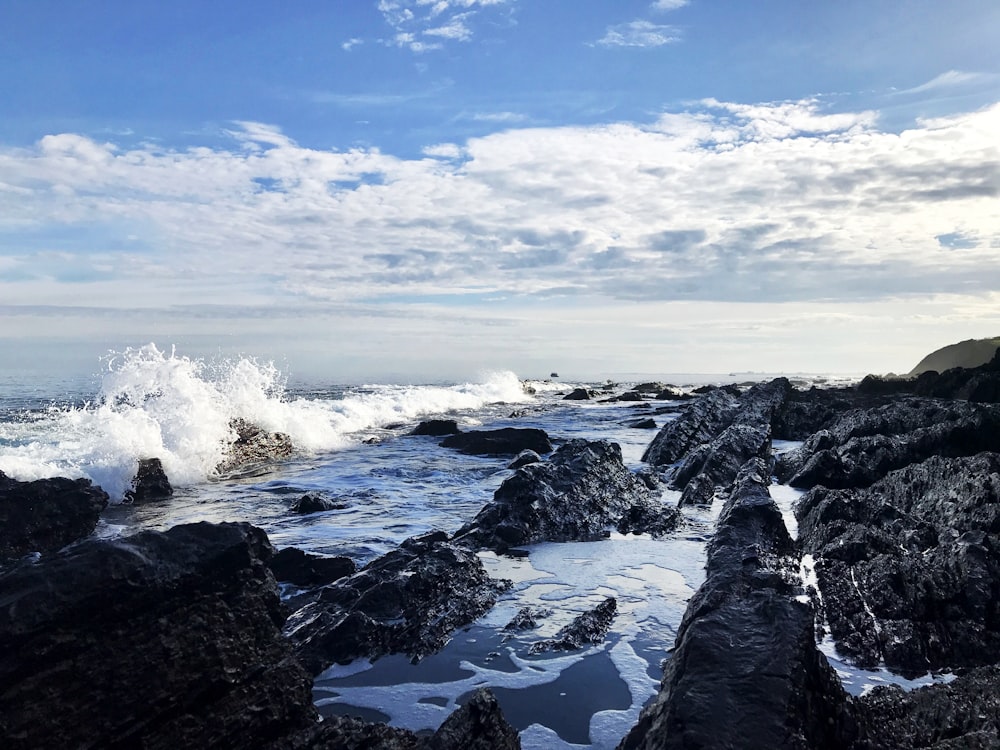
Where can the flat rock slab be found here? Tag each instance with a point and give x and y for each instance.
(506, 441)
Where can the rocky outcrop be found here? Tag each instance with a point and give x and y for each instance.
(292, 565)
(864, 445)
(909, 568)
(316, 504)
(46, 514)
(150, 483)
(524, 458)
(157, 640)
(588, 628)
(407, 601)
(720, 460)
(252, 448)
(745, 671)
(506, 441)
(577, 494)
(579, 394)
(436, 427)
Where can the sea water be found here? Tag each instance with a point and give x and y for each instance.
(352, 445)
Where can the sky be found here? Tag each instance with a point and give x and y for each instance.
(430, 189)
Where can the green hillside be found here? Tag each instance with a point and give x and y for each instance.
(971, 353)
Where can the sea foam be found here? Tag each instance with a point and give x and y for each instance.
(160, 404)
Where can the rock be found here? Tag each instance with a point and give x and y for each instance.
(578, 493)
(252, 448)
(478, 725)
(504, 441)
(627, 396)
(524, 458)
(670, 393)
(642, 424)
(46, 514)
(910, 566)
(316, 504)
(721, 458)
(407, 601)
(745, 671)
(292, 565)
(578, 394)
(650, 387)
(701, 421)
(150, 483)
(436, 427)
(157, 640)
(699, 491)
(526, 619)
(588, 628)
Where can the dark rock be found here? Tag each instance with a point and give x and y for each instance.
(699, 491)
(720, 460)
(745, 672)
(578, 493)
(650, 388)
(701, 421)
(524, 458)
(627, 396)
(642, 424)
(150, 483)
(884, 386)
(909, 568)
(157, 640)
(673, 394)
(292, 565)
(587, 628)
(578, 394)
(478, 725)
(407, 601)
(805, 412)
(252, 448)
(316, 504)
(527, 619)
(46, 514)
(501, 442)
(436, 427)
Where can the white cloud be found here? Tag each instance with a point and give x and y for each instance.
(639, 33)
(351, 44)
(412, 20)
(949, 80)
(667, 5)
(499, 117)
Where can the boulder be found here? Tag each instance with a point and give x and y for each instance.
(501, 442)
(648, 423)
(436, 427)
(524, 458)
(316, 504)
(252, 448)
(157, 640)
(745, 671)
(581, 491)
(292, 565)
(46, 514)
(150, 483)
(588, 628)
(407, 601)
(579, 394)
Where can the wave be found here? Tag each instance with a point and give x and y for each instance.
(157, 404)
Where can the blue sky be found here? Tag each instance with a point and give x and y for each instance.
(429, 188)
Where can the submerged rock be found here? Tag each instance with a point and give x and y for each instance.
(501, 442)
(46, 514)
(436, 427)
(579, 394)
(577, 494)
(252, 448)
(587, 628)
(316, 504)
(150, 483)
(407, 601)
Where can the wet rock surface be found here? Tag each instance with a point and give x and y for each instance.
(292, 565)
(588, 628)
(436, 427)
(407, 601)
(909, 568)
(576, 495)
(506, 441)
(150, 483)
(47, 514)
(745, 671)
(253, 448)
(311, 503)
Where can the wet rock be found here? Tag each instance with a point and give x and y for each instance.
(745, 648)
(909, 567)
(478, 725)
(579, 394)
(46, 514)
(252, 448)
(157, 640)
(316, 504)
(436, 427)
(670, 393)
(720, 459)
(501, 442)
(577, 494)
(651, 387)
(407, 601)
(524, 458)
(627, 396)
(805, 412)
(642, 424)
(527, 619)
(701, 421)
(588, 628)
(699, 491)
(150, 483)
(292, 565)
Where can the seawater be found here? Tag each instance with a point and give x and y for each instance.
(352, 445)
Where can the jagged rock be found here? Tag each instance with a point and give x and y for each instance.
(292, 565)
(524, 458)
(46, 514)
(745, 671)
(316, 504)
(156, 640)
(864, 445)
(699, 491)
(407, 601)
(701, 421)
(642, 424)
(805, 412)
(961, 715)
(504, 441)
(579, 394)
(720, 460)
(526, 619)
(575, 495)
(587, 628)
(150, 483)
(436, 427)
(909, 568)
(253, 448)
(670, 393)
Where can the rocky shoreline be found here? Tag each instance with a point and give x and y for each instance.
(180, 638)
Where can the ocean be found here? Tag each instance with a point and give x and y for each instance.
(352, 445)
